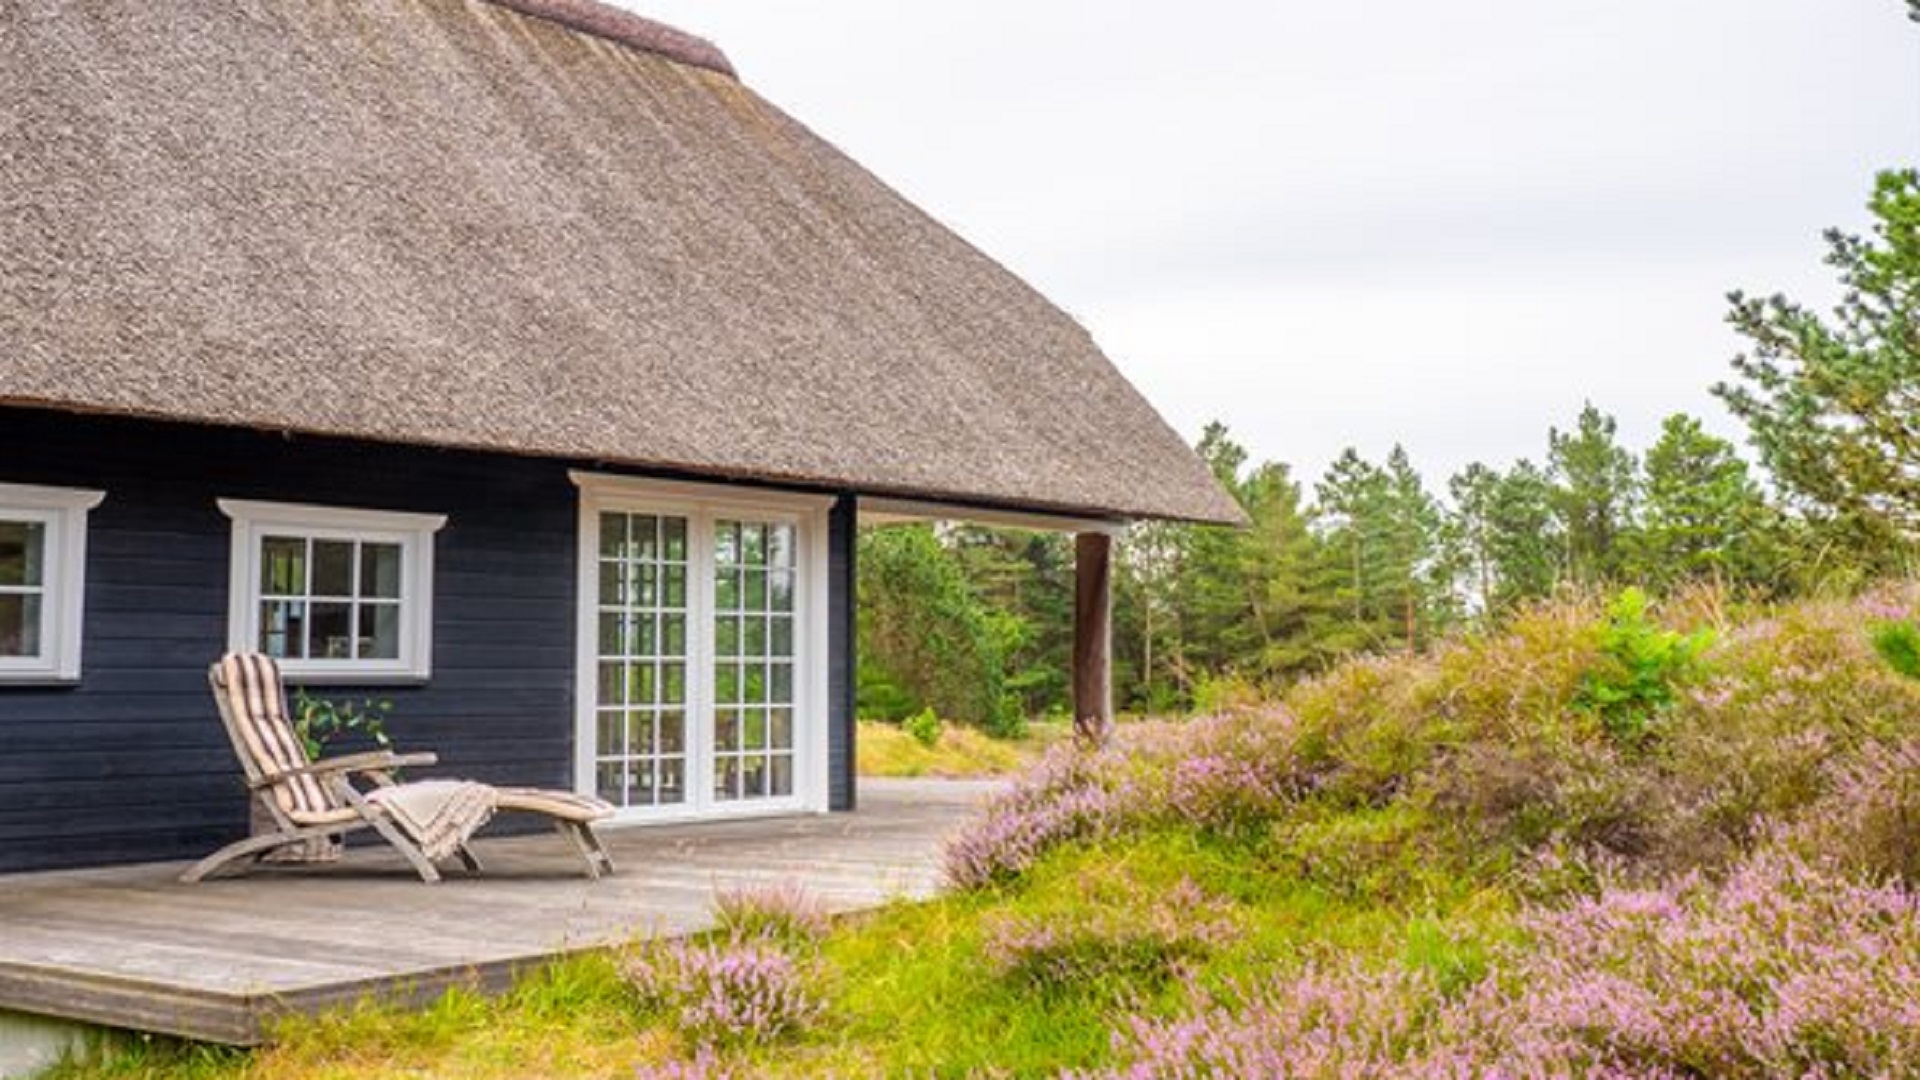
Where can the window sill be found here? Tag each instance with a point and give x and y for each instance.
(294, 676)
(49, 679)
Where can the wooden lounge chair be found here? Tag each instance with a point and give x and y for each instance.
(305, 801)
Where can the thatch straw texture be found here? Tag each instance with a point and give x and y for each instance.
(454, 223)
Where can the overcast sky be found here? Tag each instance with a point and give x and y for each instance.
(1331, 223)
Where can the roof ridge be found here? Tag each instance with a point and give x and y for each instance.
(604, 20)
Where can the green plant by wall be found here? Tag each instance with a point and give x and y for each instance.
(1898, 643)
(1641, 669)
(320, 721)
(924, 726)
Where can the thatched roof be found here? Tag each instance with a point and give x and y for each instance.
(537, 226)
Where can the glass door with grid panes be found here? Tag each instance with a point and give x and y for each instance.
(754, 573)
(697, 651)
(640, 697)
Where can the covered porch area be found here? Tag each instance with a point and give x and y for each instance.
(130, 947)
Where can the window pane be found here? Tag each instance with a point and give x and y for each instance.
(753, 729)
(613, 635)
(780, 636)
(610, 731)
(379, 632)
(673, 732)
(756, 685)
(673, 684)
(673, 539)
(780, 730)
(782, 785)
(673, 635)
(646, 538)
(780, 684)
(753, 641)
(726, 543)
(753, 593)
(643, 787)
(612, 587)
(726, 590)
(753, 776)
(380, 571)
(726, 778)
(283, 629)
(643, 684)
(645, 636)
(613, 536)
(726, 730)
(611, 779)
(673, 587)
(283, 566)
(331, 635)
(19, 625)
(23, 546)
(780, 590)
(753, 545)
(726, 636)
(332, 568)
(673, 780)
(644, 586)
(640, 734)
(780, 546)
(613, 684)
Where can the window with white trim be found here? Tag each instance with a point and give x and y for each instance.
(43, 581)
(335, 595)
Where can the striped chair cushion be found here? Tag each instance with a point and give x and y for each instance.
(258, 704)
(566, 805)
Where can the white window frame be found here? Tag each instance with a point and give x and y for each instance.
(414, 533)
(701, 504)
(63, 579)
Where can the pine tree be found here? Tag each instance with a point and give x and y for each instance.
(1833, 405)
(1351, 502)
(1703, 516)
(1469, 536)
(1594, 495)
(1523, 536)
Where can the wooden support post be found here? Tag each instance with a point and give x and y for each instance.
(1093, 637)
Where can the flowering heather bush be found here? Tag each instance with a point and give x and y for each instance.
(1495, 748)
(784, 913)
(724, 993)
(1100, 943)
(1072, 793)
(704, 1065)
(1783, 970)
(1869, 822)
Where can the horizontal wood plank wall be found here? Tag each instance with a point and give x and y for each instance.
(131, 765)
(843, 544)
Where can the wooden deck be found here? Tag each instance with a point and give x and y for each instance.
(129, 947)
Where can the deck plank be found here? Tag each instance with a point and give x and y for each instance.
(130, 947)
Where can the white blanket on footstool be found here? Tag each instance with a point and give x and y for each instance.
(439, 815)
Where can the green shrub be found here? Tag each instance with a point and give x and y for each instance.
(320, 722)
(1898, 643)
(1642, 668)
(924, 726)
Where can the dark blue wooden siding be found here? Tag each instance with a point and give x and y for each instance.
(132, 765)
(842, 596)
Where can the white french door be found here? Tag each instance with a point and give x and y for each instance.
(703, 649)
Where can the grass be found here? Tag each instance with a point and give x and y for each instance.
(885, 750)
(911, 989)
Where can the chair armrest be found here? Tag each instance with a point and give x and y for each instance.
(373, 761)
